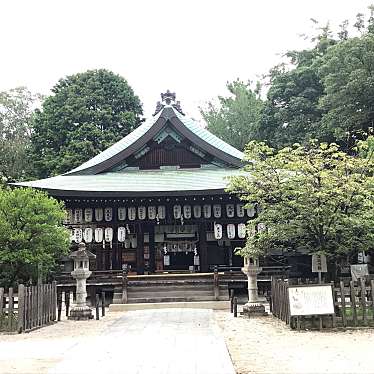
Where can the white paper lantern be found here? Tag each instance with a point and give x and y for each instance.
(142, 212)
(240, 210)
(108, 214)
(121, 234)
(152, 212)
(231, 231)
(161, 211)
(207, 209)
(78, 235)
(87, 235)
(72, 237)
(88, 215)
(99, 214)
(108, 234)
(241, 230)
(230, 210)
(218, 231)
(132, 213)
(197, 211)
(127, 243)
(187, 211)
(217, 210)
(68, 217)
(98, 235)
(251, 211)
(121, 213)
(134, 241)
(177, 210)
(196, 260)
(78, 216)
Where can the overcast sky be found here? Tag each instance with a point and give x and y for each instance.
(188, 46)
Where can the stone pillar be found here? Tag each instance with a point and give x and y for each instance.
(251, 269)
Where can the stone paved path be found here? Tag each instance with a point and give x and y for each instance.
(167, 341)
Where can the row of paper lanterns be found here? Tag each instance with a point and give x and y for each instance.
(101, 235)
(80, 215)
(231, 231)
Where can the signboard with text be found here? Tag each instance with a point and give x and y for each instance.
(319, 263)
(310, 300)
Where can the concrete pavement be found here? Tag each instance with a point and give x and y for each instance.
(167, 341)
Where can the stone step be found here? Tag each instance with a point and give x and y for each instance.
(225, 305)
(179, 293)
(145, 298)
(173, 299)
(177, 290)
(171, 288)
(167, 282)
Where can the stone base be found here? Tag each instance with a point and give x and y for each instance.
(254, 310)
(80, 313)
(215, 305)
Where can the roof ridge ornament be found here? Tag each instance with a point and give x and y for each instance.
(168, 98)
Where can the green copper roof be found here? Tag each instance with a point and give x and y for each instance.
(208, 137)
(168, 113)
(139, 181)
(119, 146)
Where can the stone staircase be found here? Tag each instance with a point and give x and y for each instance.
(171, 288)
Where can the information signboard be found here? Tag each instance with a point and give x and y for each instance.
(319, 264)
(310, 300)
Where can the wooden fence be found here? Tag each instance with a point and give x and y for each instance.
(279, 302)
(29, 308)
(353, 305)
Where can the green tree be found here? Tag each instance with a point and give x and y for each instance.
(347, 74)
(236, 118)
(292, 112)
(87, 113)
(313, 198)
(16, 108)
(32, 237)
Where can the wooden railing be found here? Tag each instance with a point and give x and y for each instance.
(267, 271)
(97, 277)
(353, 305)
(29, 308)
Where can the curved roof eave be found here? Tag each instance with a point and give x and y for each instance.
(144, 133)
(97, 194)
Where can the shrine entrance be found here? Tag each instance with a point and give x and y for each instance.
(177, 248)
(180, 255)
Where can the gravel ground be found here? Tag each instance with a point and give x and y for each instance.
(266, 345)
(38, 351)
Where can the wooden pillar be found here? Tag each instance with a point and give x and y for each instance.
(107, 254)
(203, 248)
(114, 251)
(120, 254)
(152, 248)
(140, 251)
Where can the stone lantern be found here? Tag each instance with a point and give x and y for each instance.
(81, 272)
(251, 269)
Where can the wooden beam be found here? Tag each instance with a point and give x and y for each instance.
(203, 248)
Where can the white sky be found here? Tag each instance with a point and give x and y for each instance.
(188, 46)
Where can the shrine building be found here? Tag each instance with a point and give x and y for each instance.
(156, 201)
